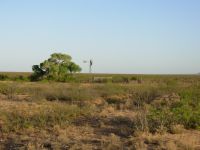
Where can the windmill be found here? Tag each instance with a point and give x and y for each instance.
(90, 62)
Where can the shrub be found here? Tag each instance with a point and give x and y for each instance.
(186, 112)
(160, 120)
(145, 96)
(3, 77)
(133, 78)
(188, 115)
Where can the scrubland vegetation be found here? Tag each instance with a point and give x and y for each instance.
(87, 112)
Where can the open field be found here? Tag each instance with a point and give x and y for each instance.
(130, 112)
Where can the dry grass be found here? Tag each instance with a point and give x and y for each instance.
(183, 141)
(157, 112)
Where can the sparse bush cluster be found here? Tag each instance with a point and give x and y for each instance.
(163, 117)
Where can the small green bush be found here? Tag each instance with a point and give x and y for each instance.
(3, 77)
(133, 78)
(160, 120)
(188, 110)
(186, 113)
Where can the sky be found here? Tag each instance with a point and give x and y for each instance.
(121, 36)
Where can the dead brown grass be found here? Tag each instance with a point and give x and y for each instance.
(97, 116)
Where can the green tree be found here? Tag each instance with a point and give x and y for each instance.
(74, 67)
(57, 67)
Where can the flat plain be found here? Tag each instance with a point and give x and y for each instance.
(100, 111)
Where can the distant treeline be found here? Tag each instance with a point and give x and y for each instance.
(15, 76)
(79, 78)
(97, 78)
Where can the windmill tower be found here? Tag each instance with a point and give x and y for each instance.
(90, 62)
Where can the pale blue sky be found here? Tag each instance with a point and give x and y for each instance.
(122, 36)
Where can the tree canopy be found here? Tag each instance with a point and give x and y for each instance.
(57, 67)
